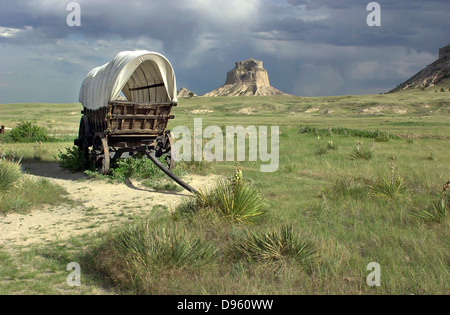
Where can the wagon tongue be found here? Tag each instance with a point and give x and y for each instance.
(169, 173)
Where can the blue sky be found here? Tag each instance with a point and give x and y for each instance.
(310, 48)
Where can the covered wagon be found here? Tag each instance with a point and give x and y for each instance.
(127, 106)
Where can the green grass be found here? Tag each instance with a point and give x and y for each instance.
(330, 200)
(140, 255)
(28, 193)
(19, 193)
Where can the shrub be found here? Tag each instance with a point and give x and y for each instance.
(139, 167)
(73, 160)
(28, 132)
(277, 245)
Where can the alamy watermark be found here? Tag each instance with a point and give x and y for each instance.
(374, 18)
(74, 17)
(374, 278)
(74, 278)
(209, 144)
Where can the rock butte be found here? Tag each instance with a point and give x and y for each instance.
(248, 78)
(185, 93)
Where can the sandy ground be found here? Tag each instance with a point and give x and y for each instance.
(97, 205)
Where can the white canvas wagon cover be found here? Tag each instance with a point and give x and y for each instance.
(142, 76)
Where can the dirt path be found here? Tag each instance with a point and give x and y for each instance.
(96, 206)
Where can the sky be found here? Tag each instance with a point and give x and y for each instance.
(309, 47)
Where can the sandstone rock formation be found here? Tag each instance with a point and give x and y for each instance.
(438, 73)
(185, 93)
(248, 78)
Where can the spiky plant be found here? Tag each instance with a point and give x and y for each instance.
(277, 245)
(239, 202)
(438, 211)
(391, 188)
(10, 172)
(233, 199)
(359, 153)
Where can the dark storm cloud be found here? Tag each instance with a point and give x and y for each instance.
(405, 23)
(309, 47)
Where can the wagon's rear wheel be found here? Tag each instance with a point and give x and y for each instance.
(164, 149)
(83, 137)
(100, 153)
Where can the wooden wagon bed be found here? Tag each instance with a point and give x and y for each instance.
(129, 119)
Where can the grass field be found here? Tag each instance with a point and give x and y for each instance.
(328, 197)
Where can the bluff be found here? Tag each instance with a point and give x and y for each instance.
(248, 78)
(185, 93)
(438, 73)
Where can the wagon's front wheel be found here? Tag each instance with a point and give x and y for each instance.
(100, 153)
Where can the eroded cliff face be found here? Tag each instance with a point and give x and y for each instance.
(247, 78)
(185, 93)
(438, 73)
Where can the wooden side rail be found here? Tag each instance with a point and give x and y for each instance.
(146, 117)
(131, 104)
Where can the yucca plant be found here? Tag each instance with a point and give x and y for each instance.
(391, 188)
(10, 172)
(233, 199)
(277, 245)
(438, 212)
(238, 202)
(362, 154)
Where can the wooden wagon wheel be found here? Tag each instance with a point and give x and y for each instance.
(164, 149)
(100, 153)
(83, 141)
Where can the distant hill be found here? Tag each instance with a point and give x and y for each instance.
(185, 93)
(248, 78)
(436, 74)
